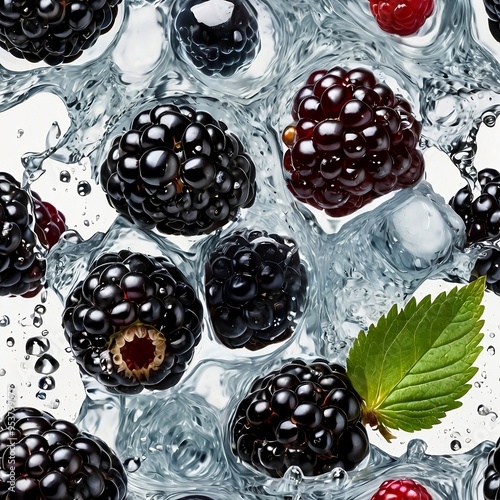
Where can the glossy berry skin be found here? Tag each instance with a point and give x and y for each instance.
(491, 475)
(219, 36)
(54, 31)
(53, 459)
(50, 223)
(401, 17)
(133, 322)
(488, 264)
(352, 140)
(493, 11)
(401, 489)
(178, 170)
(255, 287)
(21, 267)
(306, 415)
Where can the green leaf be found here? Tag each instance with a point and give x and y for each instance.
(413, 366)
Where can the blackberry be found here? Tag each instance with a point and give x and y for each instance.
(482, 214)
(491, 485)
(307, 415)
(219, 36)
(51, 459)
(488, 264)
(178, 170)
(353, 140)
(493, 12)
(133, 322)
(54, 31)
(50, 223)
(21, 267)
(255, 286)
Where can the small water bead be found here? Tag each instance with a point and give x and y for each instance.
(36, 346)
(489, 119)
(491, 350)
(484, 411)
(46, 364)
(455, 445)
(53, 405)
(10, 342)
(37, 321)
(45, 333)
(20, 133)
(4, 321)
(132, 464)
(2, 372)
(47, 383)
(65, 176)
(41, 395)
(84, 188)
(40, 309)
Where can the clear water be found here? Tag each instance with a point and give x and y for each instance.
(176, 442)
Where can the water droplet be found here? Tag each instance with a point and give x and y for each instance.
(484, 375)
(47, 383)
(10, 342)
(40, 309)
(132, 464)
(491, 350)
(28, 384)
(46, 364)
(489, 119)
(2, 372)
(64, 176)
(37, 321)
(86, 223)
(483, 410)
(84, 188)
(4, 321)
(455, 445)
(20, 133)
(41, 395)
(53, 404)
(37, 346)
(45, 333)
(53, 135)
(477, 384)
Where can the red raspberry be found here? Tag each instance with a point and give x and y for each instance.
(401, 489)
(401, 17)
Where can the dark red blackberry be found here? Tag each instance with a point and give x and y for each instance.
(491, 486)
(353, 140)
(219, 36)
(50, 223)
(481, 215)
(54, 31)
(306, 415)
(133, 323)
(178, 170)
(255, 286)
(493, 11)
(21, 267)
(43, 458)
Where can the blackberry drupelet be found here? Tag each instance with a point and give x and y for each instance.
(50, 223)
(488, 264)
(133, 322)
(54, 31)
(255, 287)
(178, 170)
(219, 36)
(53, 460)
(401, 489)
(21, 267)
(491, 485)
(401, 17)
(306, 415)
(493, 12)
(353, 140)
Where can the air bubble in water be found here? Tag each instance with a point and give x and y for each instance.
(37, 346)
(47, 383)
(10, 342)
(2, 372)
(84, 188)
(46, 364)
(4, 321)
(64, 176)
(41, 395)
(455, 445)
(132, 464)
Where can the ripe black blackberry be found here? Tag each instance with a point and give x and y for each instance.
(353, 140)
(21, 267)
(133, 323)
(54, 31)
(51, 459)
(219, 36)
(255, 286)
(488, 264)
(493, 11)
(491, 485)
(178, 170)
(306, 415)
